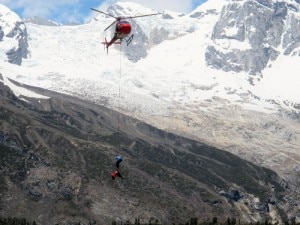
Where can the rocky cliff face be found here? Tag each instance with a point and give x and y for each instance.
(1, 34)
(13, 35)
(251, 34)
(248, 36)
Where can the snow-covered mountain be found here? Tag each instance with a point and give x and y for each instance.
(225, 74)
(252, 35)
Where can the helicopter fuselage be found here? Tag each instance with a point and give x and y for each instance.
(123, 29)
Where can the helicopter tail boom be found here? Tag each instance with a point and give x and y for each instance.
(107, 44)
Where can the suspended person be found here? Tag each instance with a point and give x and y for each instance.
(116, 174)
(118, 161)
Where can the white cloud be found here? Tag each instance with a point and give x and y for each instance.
(46, 9)
(159, 5)
(184, 6)
(64, 11)
(175, 5)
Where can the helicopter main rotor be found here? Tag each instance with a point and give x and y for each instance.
(118, 18)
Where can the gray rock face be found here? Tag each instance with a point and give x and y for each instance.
(158, 35)
(13, 28)
(1, 34)
(16, 54)
(291, 38)
(262, 25)
(137, 49)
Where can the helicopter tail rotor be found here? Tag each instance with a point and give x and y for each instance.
(105, 44)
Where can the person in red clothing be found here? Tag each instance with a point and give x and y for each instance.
(116, 174)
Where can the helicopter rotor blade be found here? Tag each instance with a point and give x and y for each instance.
(104, 13)
(110, 25)
(131, 17)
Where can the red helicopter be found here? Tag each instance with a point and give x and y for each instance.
(122, 30)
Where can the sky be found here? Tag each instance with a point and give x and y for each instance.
(78, 11)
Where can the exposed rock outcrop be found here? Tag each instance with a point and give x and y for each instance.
(248, 33)
(14, 35)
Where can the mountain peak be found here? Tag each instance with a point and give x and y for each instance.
(210, 5)
(41, 21)
(8, 19)
(129, 9)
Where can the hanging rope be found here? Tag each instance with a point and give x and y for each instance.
(119, 97)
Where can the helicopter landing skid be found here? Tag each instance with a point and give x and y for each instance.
(128, 40)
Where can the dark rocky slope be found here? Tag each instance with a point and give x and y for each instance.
(56, 156)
